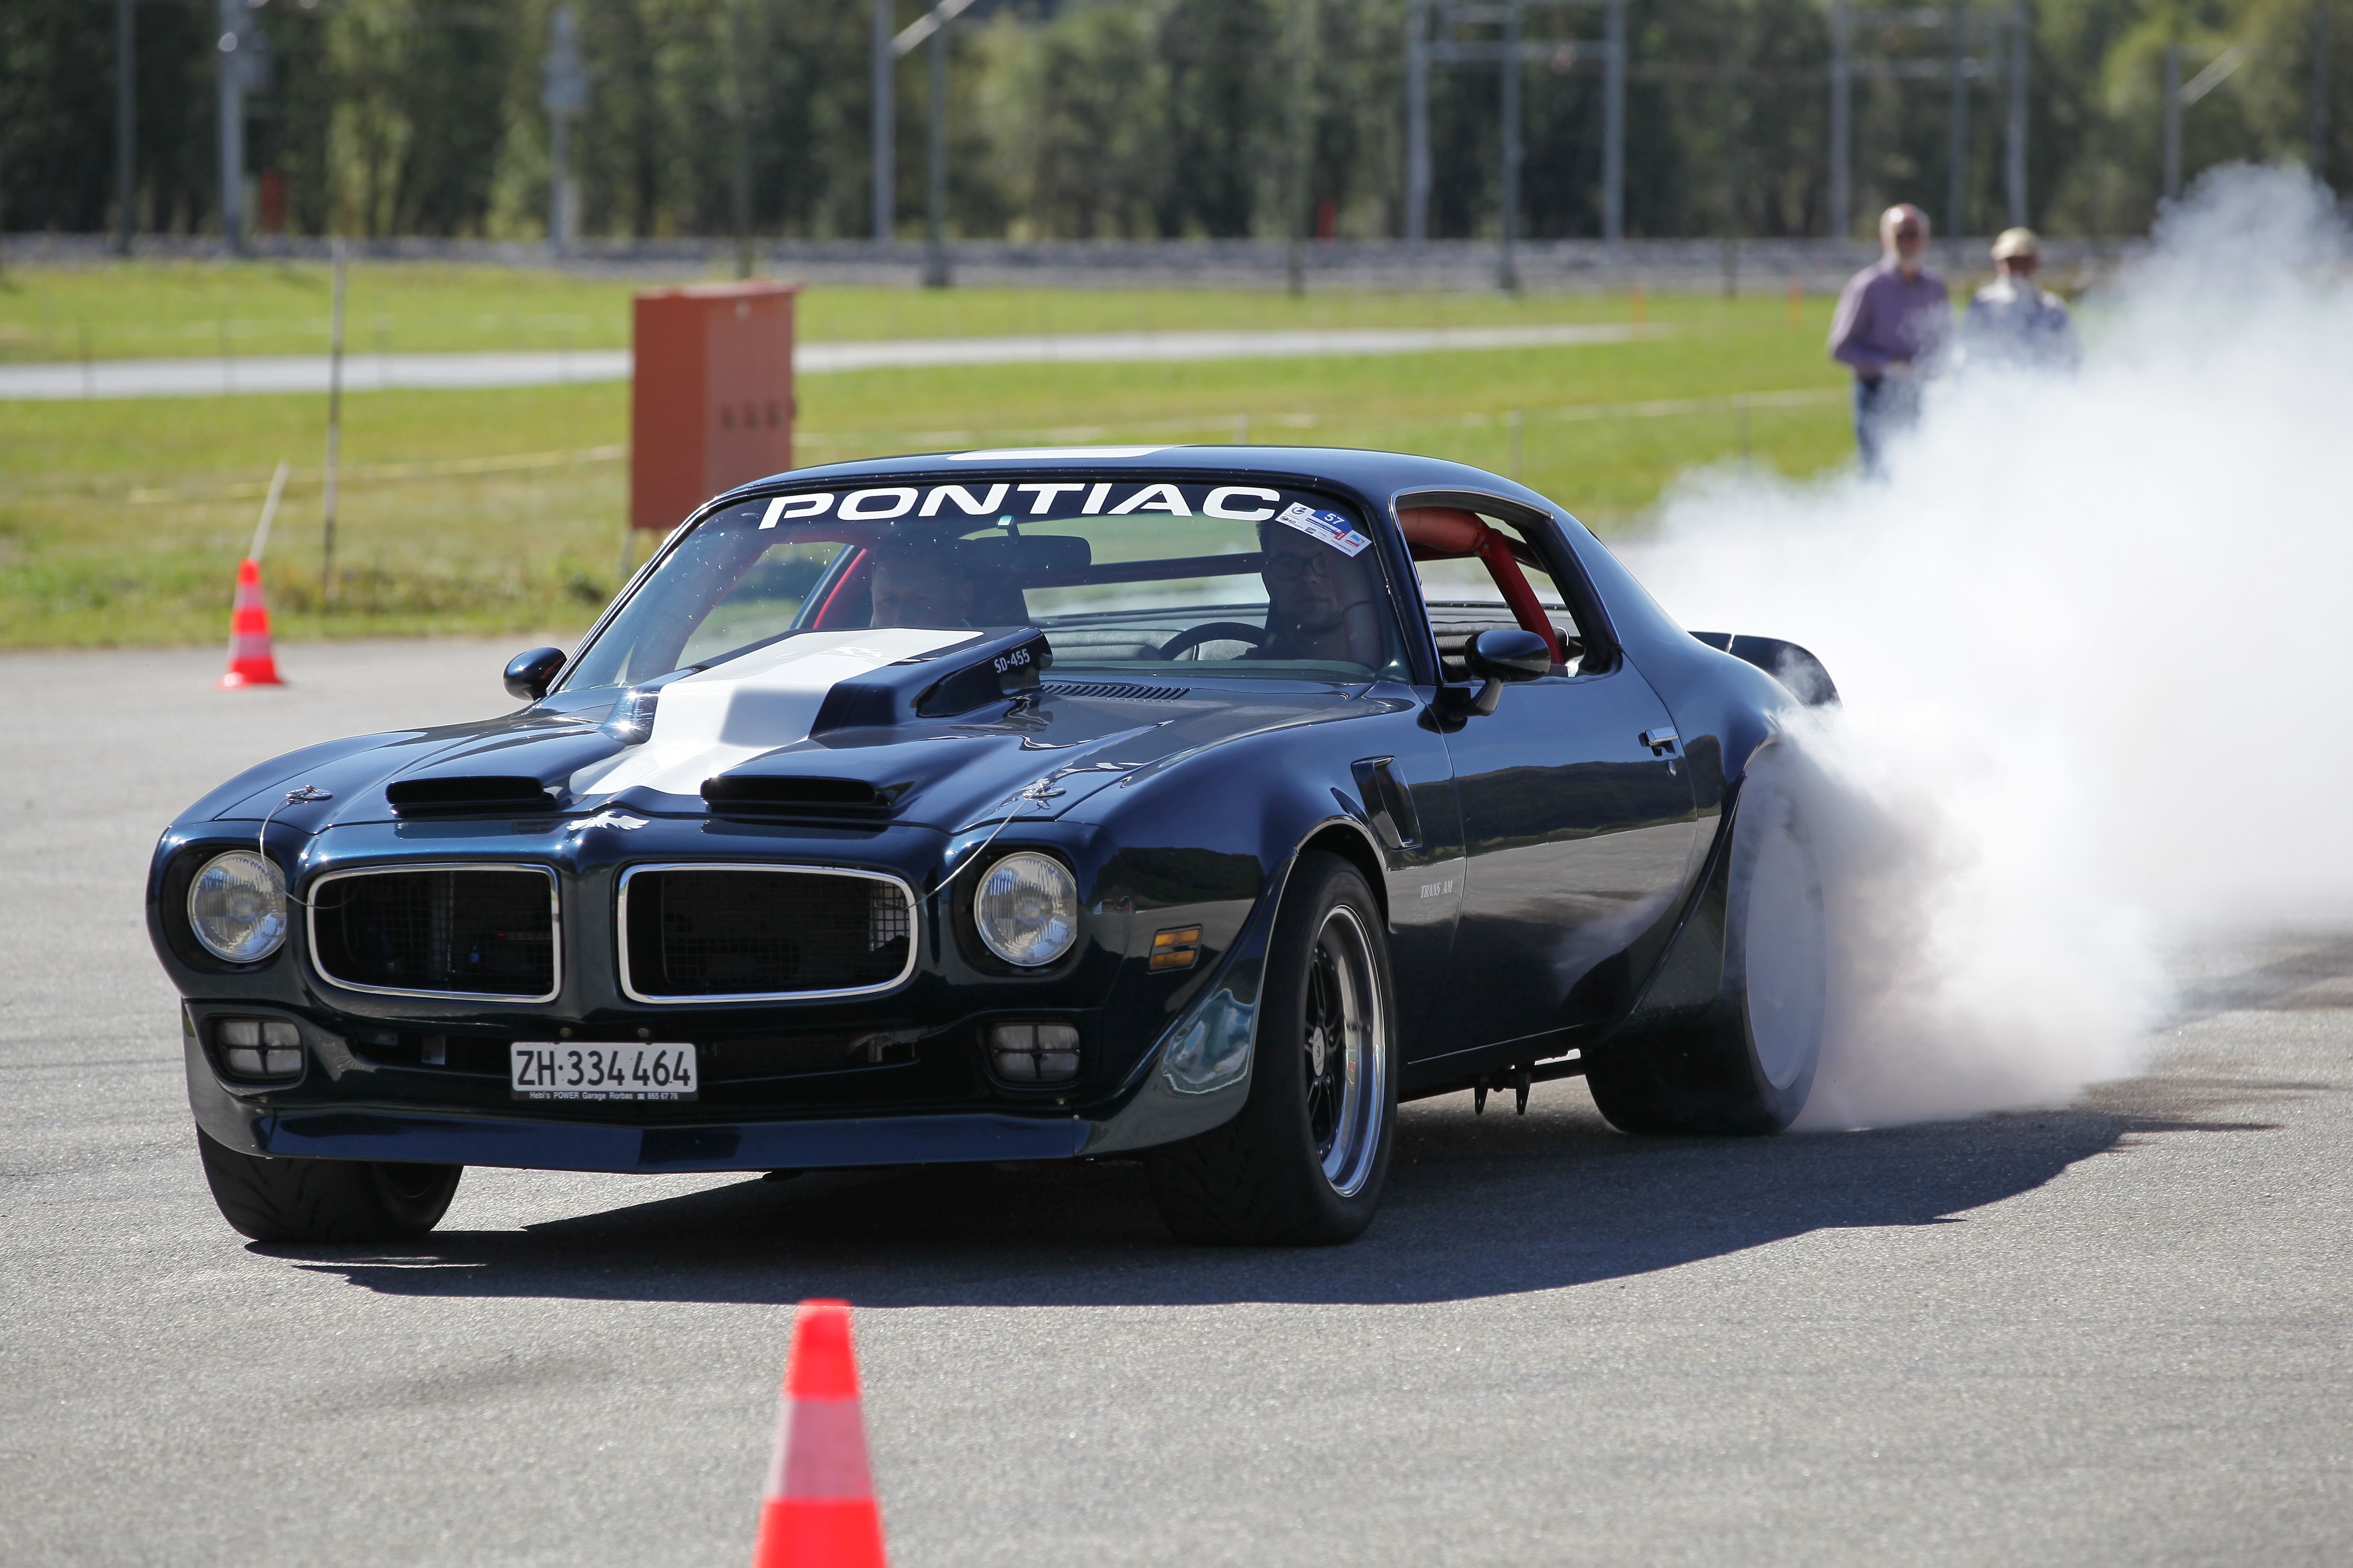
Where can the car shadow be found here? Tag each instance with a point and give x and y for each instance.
(1476, 1206)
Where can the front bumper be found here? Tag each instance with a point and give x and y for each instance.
(347, 1108)
(250, 1122)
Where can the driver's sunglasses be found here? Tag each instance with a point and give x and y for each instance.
(1907, 232)
(1287, 567)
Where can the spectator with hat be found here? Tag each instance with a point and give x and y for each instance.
(2012, 320)
(1892, 324)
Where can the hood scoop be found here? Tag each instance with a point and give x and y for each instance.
(779, 794)
(939, 686)
(481, 794)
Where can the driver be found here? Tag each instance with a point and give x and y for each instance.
(1320, 603)
(918, 585)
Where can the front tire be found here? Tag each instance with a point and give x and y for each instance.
(1304, 1161)
(296, 1200)
(1749, 1066)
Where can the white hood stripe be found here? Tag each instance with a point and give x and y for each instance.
(709, 721)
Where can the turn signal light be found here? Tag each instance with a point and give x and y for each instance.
(1178, 949)
(260, 1048)
(1034, 1052)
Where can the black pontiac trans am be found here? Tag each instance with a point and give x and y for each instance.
(1191, 804)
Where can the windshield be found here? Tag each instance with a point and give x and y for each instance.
(1122, 575)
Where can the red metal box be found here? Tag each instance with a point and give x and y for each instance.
(711, 405)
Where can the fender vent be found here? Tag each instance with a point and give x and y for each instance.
(1114, 690)
(488, 794)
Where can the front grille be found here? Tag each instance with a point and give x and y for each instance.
(703, 932)
(451, 931)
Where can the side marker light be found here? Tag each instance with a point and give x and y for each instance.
(1178, 949)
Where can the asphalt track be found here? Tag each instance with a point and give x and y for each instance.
(441, 372)
(2117, 1332)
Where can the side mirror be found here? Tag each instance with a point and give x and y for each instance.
(1505, 654)
(1509, 655)
(529, 675)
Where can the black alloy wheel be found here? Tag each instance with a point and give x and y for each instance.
(1305, 1160)
(299, 1200)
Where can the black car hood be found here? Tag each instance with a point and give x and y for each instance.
(1038, 754)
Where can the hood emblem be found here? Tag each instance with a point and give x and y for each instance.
(608, 817)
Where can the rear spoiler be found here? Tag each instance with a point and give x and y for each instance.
(1786, 662)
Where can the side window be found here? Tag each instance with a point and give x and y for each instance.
(1462, 575)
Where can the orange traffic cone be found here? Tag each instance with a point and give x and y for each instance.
(251, 661)
(819, 1510)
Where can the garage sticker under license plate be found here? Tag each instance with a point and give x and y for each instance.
(602, 1069)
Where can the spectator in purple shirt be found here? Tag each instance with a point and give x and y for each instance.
(1892, 323)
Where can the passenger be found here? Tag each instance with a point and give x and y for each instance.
(1892, 323)
(1320, 603)
(2012, 320)
(919, 585)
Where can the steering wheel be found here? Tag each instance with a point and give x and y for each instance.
(1191, 637)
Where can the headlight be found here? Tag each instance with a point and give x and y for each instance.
(236, 906)
(1028, 910)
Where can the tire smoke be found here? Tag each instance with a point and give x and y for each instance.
(2090, 636)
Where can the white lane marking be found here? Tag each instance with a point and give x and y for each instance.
(526, 367)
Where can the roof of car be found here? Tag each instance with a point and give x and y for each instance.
(1377, 474)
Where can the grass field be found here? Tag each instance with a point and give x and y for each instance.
(204, 310)
(120, 521)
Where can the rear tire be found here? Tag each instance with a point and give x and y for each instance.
(1304, 1161)
(1750, 1067)
(302, 1200)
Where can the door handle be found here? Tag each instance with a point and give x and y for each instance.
(1660, 742)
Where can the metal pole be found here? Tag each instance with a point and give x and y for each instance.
(2315, 134)
(1302, 129)
(2014, 147)
(1417, 121)
(1613, 130)
(334, 432)
(1842, 106)
(1957, 153)
(126, 125)
(885, 200)
(559, 167)
(936, 195)
(743, 141)
(1507, 276)
(232, 126)
(564, 94)
(2172, 130)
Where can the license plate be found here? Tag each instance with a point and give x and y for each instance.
(601, 1069)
